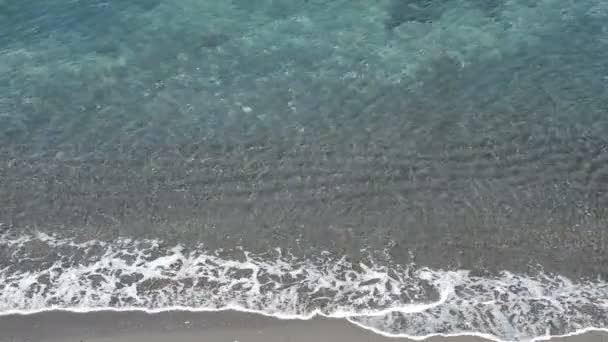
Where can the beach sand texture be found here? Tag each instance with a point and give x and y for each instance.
(180, 326)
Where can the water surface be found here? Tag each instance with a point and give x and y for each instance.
(418, 167)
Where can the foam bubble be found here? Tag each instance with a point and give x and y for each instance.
(45, 272)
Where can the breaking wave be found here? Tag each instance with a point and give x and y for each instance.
(42, 272)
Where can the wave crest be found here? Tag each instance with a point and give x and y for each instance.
(45, 272)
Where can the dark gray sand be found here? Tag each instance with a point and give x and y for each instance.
(491, 224)
(179, 326)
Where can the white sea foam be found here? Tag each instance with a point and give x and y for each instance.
(43, 272)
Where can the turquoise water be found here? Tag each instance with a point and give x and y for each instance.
(94, 77)
(457, 135)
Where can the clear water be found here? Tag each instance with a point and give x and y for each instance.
(455, 149)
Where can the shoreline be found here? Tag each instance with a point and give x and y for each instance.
(404, 302)
(228, 325)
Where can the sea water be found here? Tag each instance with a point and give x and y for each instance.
(415, 167)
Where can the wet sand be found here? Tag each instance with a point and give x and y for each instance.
(179, 326)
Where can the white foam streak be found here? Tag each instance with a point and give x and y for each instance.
(400, 302)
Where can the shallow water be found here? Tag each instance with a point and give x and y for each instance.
(465, 138)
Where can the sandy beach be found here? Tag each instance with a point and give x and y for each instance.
(179, 326)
